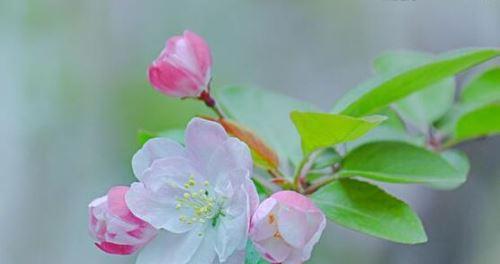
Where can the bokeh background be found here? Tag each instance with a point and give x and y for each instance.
(74, 93)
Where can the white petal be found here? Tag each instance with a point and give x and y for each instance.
(168, 248)
(238, 257)
(232, 155)
(170, 173)
(203, 137)
(152, 150)
(157, 211)
(232, 228)
(252, 195)
(206, 251)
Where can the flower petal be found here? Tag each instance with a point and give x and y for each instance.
(203, 137)
(295, 200)
(205, 252)
(238, 257)
(253, 196)
(318, 220)
(174, 81)
(116, 249)
(167, 176)
(169, 248)
(230, 162)
(263, 225)
(293, 226)
(201, 51)
(232, 229)
(160, 211)
(274, 250)
(152, 150)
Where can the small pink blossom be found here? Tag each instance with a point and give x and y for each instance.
(114, 228)
(285, 228)
(200, 196)
(183, 68)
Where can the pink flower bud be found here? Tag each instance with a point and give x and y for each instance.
(183, 67)
(114, 228)
(285, 228)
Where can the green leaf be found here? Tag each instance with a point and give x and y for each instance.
(252, 256)
(327, 157)
(394, 61)
(483, 121)
(143, 136)
(393, 129)
(384, 90)
(368, 209)
(267, 114)
(319, 130)
(483, 89)
(458, 160)
(398, 162)
(423, 107)
(261, 189)
(174, 134)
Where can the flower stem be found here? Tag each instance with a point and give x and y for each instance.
(303, 170)
(211, 103)
(320, 183)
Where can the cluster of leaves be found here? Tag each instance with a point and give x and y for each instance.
(398, 127)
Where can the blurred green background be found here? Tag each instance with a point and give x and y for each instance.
(74, 94)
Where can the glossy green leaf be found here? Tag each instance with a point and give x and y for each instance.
(483, 89)
(267, 114)
(326, 158)
(423, 107)
(392, 129)
(483, 121)
(252, 256)
(319, 130)
(398, 162)
(458, 160)
(368, 209)
(384, 90)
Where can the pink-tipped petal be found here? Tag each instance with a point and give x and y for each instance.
(201, 51)
(183, 67)
(116, 249)
(174, 81)
(286, 227)
(114, 228)
(295, 200)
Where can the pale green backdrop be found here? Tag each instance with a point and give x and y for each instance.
(74, 93)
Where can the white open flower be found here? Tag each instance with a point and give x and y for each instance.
(200, 196)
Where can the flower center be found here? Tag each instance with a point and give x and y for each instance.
(197, 198)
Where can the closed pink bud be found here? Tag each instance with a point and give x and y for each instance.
(183, 67)
(114, 228)
(285, 228)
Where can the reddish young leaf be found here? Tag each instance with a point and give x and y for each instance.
(263, 155)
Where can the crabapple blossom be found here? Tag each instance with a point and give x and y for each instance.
(114, 228)
(285, 228)
(200, 195)
(183, 68)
